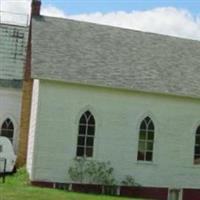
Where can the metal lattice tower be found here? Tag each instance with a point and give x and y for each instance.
(13, 18)
(13, 45)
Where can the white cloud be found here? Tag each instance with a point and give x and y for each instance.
(53, 11)
(166, 20)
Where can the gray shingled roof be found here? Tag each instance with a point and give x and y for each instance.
(86, 53)
(13, 46)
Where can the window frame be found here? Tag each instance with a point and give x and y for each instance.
(146, 136)
(86, 136)
(8, 129)
(197, 135)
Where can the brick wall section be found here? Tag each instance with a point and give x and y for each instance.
(24, 124)
(129, 191)
(25, 108)
(191, 194)
(145, 192)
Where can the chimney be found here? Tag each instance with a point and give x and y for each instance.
(36, 5)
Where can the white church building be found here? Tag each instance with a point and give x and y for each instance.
(107, 94)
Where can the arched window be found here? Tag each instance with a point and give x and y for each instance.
(7, 129)
(146, 140)
(86, 135)
(197, 147)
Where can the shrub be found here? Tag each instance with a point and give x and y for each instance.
(77, 171)
(90, 171)
(129, 181)
(100, 173)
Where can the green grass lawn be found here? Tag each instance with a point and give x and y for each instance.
(17, 188)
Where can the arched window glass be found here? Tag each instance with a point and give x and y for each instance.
(7, 129)
(197, 147)
(86, 135)
(146, 140)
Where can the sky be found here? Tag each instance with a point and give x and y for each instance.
(179, 18)
(105, 6)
